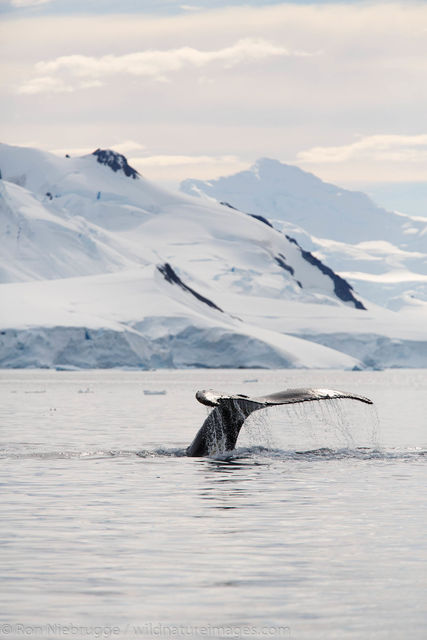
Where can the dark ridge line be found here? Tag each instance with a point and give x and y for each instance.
(172, 277)
(293, 241)
(262, 219)
(116, 162)
(343, 290)
(230, 206)
(253, 215)
(281, 261)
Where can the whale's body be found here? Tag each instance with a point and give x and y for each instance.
(221, 428)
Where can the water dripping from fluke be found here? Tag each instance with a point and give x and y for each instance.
(218, 434)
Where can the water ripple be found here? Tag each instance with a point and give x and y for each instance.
(255, 454)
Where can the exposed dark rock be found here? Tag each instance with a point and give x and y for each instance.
(173, 278)
(262, 219)
(230, 206)
(281, 261)
(116, 162)
(343, 290)
(293, 241)
(253, 215)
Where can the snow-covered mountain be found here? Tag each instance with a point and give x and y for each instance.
(383, 254)
(100, 267)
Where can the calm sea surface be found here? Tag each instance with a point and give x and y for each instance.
(315, 528)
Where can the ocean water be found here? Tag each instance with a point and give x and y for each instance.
(315, 527)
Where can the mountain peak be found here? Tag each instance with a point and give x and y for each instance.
(116, 162)
(267, 163)
(271, 170)
(286, 193)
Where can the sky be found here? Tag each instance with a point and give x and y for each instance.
(203, 88)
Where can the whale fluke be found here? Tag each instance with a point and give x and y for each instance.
(221, 428)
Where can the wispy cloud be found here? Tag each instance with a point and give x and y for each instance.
(178, 167)
(176, 161)
(28, 3)
(129, 146)
(69, 73)
(381, 148)
(126, 147)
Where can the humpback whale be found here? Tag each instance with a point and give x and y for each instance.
(220, 430)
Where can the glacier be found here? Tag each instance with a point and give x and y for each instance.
(102, 268)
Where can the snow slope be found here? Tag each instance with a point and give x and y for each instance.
(100, 268)
(383, 254)
(136, 318)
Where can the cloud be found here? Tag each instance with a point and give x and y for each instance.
(236, 81)
(71, 151)
(174, 168)
(69, 73)
(372, 158)
(52, 84)
(127, 147)
(45, 84)
(176, 161)
(28, 3)
(381, 148)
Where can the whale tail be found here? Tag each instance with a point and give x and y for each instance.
(221, 428)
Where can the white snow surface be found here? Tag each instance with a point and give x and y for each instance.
(383, 254)
(99, 269)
